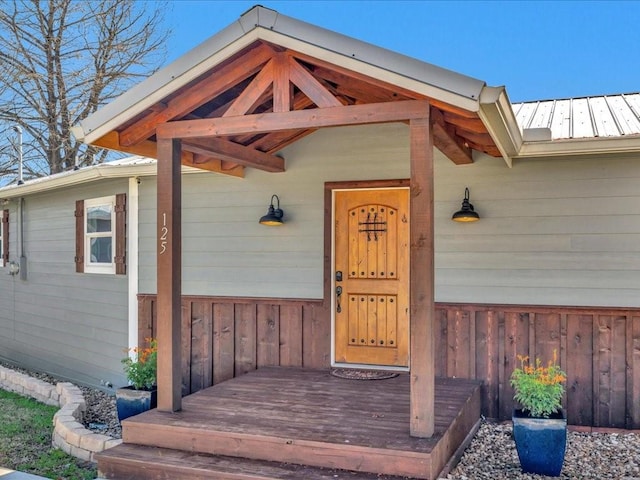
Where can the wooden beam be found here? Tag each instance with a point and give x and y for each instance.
(422, 394)
(201, 92)
(253, 93)
(402, 92)
(302, 119)
(232, 152)
(446, 141)
(169, 276)
(474, 125)
(282, 90)
(311, 87)
(147, 148)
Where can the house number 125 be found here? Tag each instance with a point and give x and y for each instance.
(164, 231)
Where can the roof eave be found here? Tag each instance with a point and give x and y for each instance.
(582, 146)
(497, 115)
(82, 176)
(261, 23)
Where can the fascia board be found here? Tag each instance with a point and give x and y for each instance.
(586, 146)
(85, 175)
(497, 115)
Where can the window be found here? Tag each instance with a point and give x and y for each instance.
(100, 235)
(4, 237)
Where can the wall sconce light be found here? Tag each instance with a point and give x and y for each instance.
(466, 212)
(273, 218)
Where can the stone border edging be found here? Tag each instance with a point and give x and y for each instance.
(69, 434)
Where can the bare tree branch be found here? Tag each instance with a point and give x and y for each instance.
(60, 60)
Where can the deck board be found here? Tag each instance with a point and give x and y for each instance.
(307, 416)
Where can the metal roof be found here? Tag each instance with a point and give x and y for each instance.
(587, 117)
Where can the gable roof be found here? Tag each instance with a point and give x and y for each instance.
(327, 64)
(242, 70)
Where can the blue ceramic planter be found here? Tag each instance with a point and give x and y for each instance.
(541, 443)
(130, 402)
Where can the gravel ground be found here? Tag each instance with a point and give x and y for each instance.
(101, 416)
(490, 456)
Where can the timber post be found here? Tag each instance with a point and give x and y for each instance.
(169, 275)
(422, 395)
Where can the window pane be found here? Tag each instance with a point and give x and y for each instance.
(99, 219)
(101, 250)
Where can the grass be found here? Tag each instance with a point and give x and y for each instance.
(26, 427)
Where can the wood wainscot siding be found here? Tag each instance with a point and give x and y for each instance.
(225, 337)
(599, 348)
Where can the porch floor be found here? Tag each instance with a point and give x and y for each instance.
(303, 417)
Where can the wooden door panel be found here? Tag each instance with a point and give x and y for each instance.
(372, 254)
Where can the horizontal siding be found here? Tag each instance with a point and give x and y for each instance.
(58, 321)
(553, 231)
(226, 252)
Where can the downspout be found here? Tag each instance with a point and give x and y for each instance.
(22, 257)
(132, 261)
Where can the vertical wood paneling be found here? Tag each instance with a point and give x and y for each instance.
(598, 348)
(223, 342)
(268, 332)
(617, 417)
(547, 335)
(487, 359)
(146, 319)
(186, 353)
(610, 384)
(579, 369)
(316, 335)
(245, 338)
(441, 332)
(291, 335)
(201, 345)
(458, 345)
(633, 375)
(516, 342)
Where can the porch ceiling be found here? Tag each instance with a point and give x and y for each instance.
(267, 78)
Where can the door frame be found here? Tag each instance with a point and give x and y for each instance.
(329, 247)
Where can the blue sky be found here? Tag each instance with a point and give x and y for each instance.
(539, 50)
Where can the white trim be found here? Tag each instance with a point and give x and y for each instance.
(147, 168)
(99, 267)
(580, 146)
(497, 116)
(132, 260)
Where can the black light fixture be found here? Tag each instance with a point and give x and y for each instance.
(466, 212)
(273, 218)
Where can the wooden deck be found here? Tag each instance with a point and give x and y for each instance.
(281, 423)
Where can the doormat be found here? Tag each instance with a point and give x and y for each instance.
(362, 374)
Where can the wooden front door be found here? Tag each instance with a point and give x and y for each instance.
(372, 277)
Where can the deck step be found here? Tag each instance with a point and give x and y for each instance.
(137, 462)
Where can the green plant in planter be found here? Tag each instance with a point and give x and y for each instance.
(539, 389)
(141, 367)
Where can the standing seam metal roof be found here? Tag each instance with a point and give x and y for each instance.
(586, 117)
